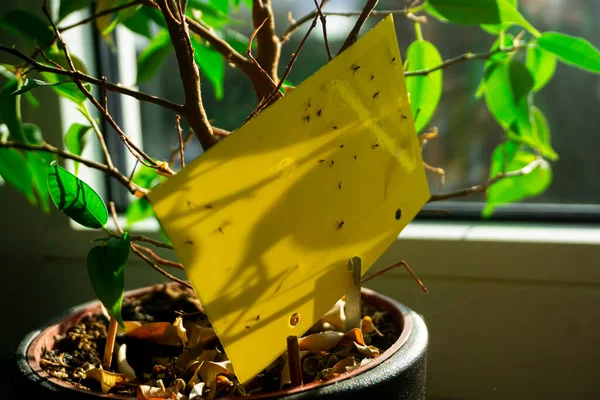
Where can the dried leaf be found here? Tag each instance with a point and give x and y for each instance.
(367, 351)
(197, 390)
(345, 365)
(181, 332)
(124, 367)
(336, 317)
(208, 372)
(353, 336)
(367, 326)
(129, 326)
(200, 335)
(320, 341)
(162, 333)
(160, 392)
(106, 379)
(378, 316)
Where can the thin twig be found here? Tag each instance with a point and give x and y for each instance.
(362, 18)
(99, 14)
(157, 258)
(112, 172)
(276, 93)
(464, 57)
(398, 264)
(482, 187)
(159, 269)
(268, 51)
(133, 170)
(156, 243)
(249, 50)
(80, 76)
(178, 122)
(115, 217)
(324, 24)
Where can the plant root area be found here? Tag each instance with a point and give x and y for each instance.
(169, 350)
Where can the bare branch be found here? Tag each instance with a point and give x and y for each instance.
(324, 24)
(177, 120)
(113, 212)
(399, 264)
(158, 259)
(465, 57)
(77, 75)
(249, 51)
(362, 18)
(112, 172)
(193, 109)
(269, 46)
(156, 243)
(482, 187)
(159, 269)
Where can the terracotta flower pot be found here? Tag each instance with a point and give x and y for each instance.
(398, 373)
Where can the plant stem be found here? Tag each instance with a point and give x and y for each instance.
(269, 45)
(83, 109)
(418, 31)
(110, 343)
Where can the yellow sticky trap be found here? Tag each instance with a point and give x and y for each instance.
(266, 221)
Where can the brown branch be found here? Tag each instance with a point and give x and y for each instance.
(249, 51)
(482, 187)
(112, 172)
(362, 18)
(269, 46)
(276, 93)
(78, 75)
(156, 243)
(115, 217)
(324, 24)
(464, 57)
(158, 259)
(159, 269)
(398, 264)
(178, 122)
(193, 109)
(99, 14)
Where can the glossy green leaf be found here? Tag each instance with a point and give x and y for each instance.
(497, 28)
(139, 23)
(76, 198)
(27, 24)
(76, 140)
(138, 210)
(571, 50)
(508, 42)
(68, 90)
(223, 5)
(153, 57)
(121, 17)
(467, 12)
(10, 111)
(211, 64)
(154, 15)
(502, 155)
(31, 84)
(541, 65)
(540, 135)
(39, 163)
(102, 23)
(517, 188)
(508, 85)
(213, 15)
(69, 6)
(425, 91)
(147, 177)
(106, 269)
(15, 170)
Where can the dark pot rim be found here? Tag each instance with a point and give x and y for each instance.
(44, 338)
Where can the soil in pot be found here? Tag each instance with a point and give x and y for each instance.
(152, 349)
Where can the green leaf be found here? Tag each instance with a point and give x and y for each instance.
(503, 154)
(39, 163)
(31, 84)
(68, 90)
(237, 40)
(214, 16)
(517, 188)
(425, 91)
(106, 269)
(15, 170)
(76, 198)
(509, 41)
(467, 12)
(10, 111)
(138, 210)
(571, 50)
(76, 139)
(69, 6)
(540, 135)
(541, 65)
(102, 23)
(496, 29)
(155, 15)
(139, 23)
(119, 18)
(153, 57)
(508, 85)
(147, 177)
(27, 24)
(211, 64)
(223, 5)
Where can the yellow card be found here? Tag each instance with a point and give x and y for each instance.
(266, 221)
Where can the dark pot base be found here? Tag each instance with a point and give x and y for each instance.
(398, 373)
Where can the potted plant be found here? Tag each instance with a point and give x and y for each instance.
(159, 353)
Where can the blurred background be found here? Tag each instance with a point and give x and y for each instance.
(513, 304)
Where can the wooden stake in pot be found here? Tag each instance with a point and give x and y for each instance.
(110, 343)
(353, 296)
(294, 361)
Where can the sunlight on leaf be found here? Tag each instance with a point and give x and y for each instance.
(571, 50)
